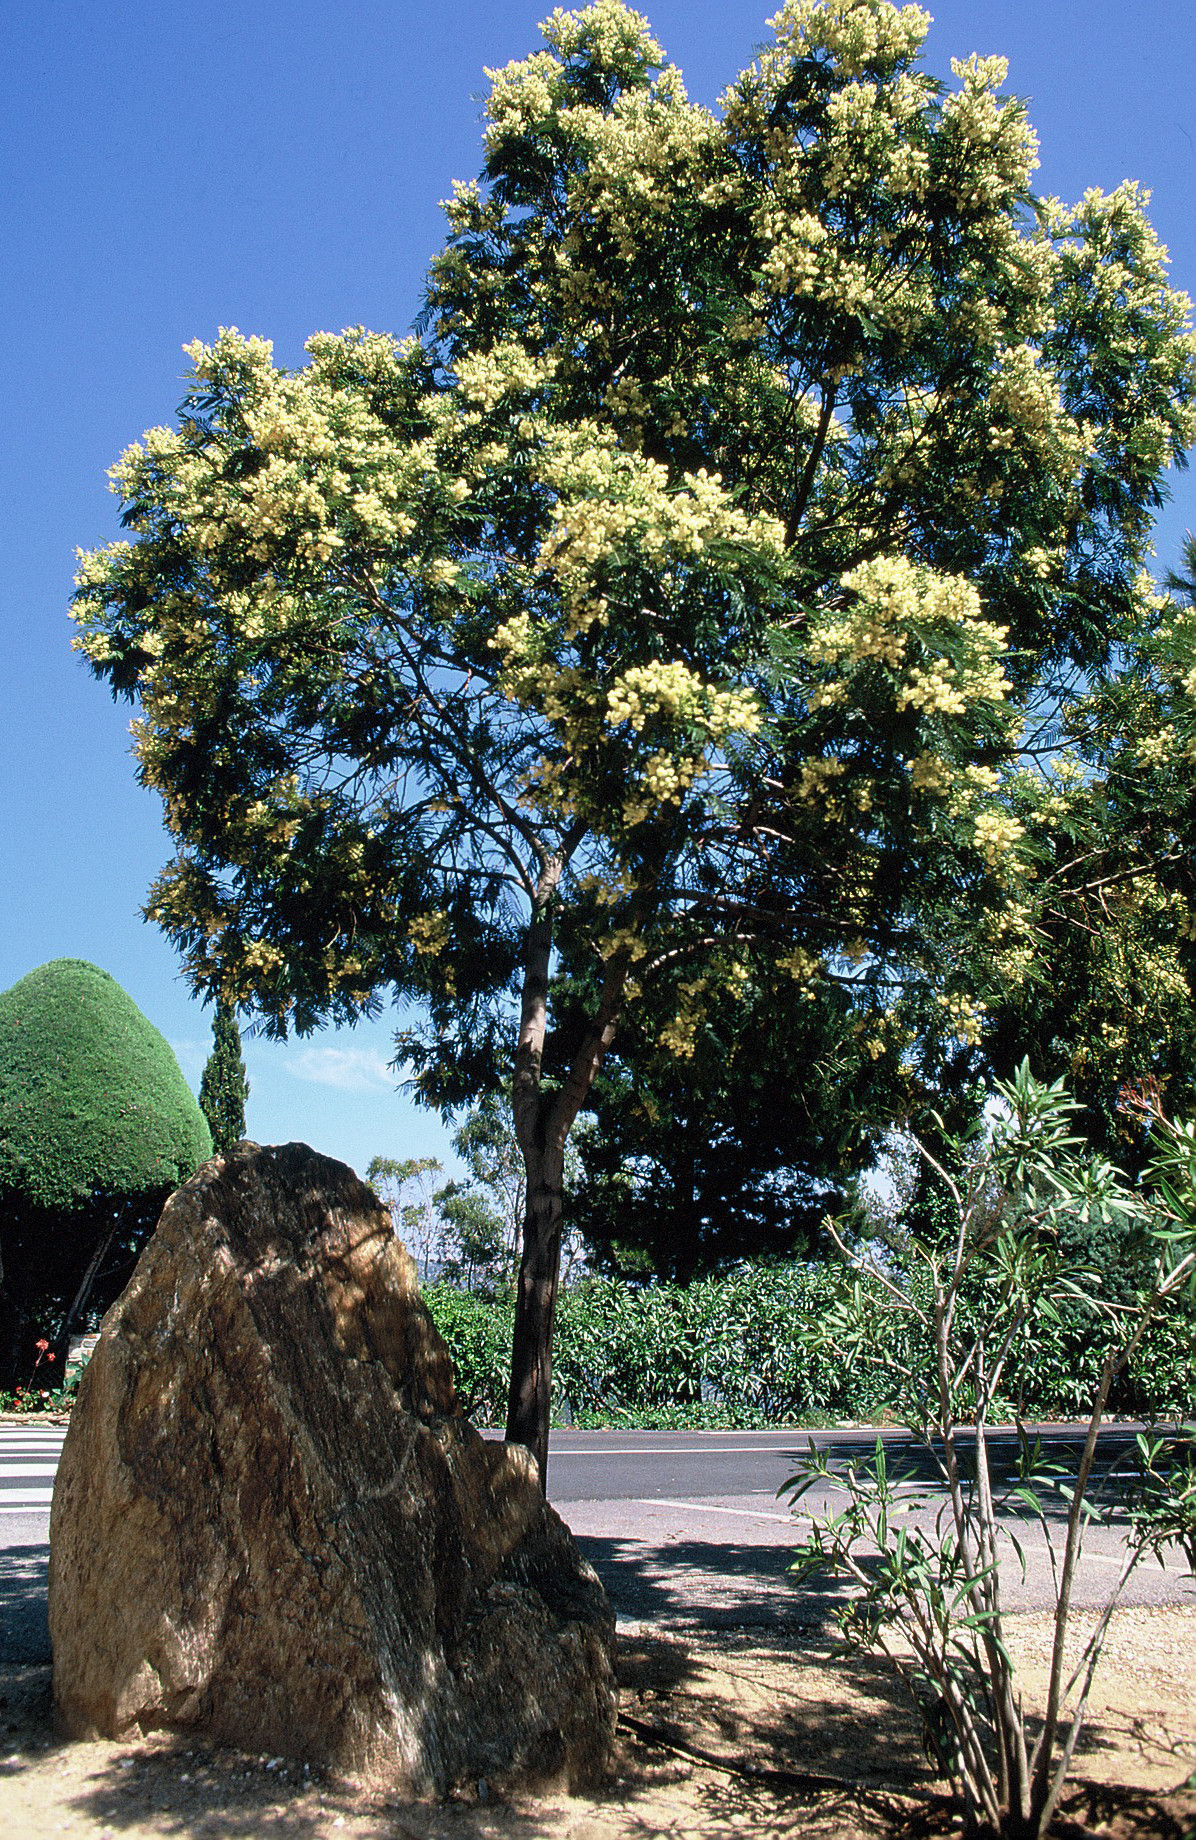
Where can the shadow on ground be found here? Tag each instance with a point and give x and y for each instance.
(720, 1585)
(841, 1711)
(910, 1462)
(24, 1629)
(179, 1786)
(713, 1739)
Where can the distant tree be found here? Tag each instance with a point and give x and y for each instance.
(224, 1087)
(487, 1208)
(483, 1213)
(741, 1148)
(402, 1183)
(97, 1126)
(477, 1257)
(1103, 997)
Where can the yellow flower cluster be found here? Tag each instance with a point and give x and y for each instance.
(612, 34)
(522, 95)
(231, 354)
(855, 33)
(651, 150)
(928, 773)
(802, 966)
(625, 940)
(507, 369)
(679, 1036)
(997, 835)
(936, 689)
(867, 144)
(608, 497)
(1014, 963)
(609, 888)
(329, 471)
(816, 779)
(997, 132)
(894, 609)
(667, 778)
(964, 1016)
(429, 933)
(1028, 415)
(678, 693)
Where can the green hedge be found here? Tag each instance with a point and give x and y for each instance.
(97, 1125)
(92, 1099)
(478, 1333)
(739, 1350)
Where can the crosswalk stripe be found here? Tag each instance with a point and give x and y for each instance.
(28, 1453)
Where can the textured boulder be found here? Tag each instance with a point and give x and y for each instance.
(272, 1525)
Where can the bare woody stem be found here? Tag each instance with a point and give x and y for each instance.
(543, 1121)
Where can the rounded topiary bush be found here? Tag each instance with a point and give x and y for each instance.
(97, 1125)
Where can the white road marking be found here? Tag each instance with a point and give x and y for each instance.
(706, 1507)
(787, 1520)
(28, 1469)
(672, 1450)
(28, 1497)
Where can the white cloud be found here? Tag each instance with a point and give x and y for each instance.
(348, 1069)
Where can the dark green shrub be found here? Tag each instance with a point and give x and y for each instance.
(738, 1350)
(97, 1125)
(478, 1332)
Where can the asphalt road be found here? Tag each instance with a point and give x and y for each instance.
(637, 1465)
(684, 1528)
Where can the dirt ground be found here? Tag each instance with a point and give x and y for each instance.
(717, 1737)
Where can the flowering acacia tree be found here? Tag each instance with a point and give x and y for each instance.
(676, 603)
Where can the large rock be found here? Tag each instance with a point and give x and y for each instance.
(272, 1525)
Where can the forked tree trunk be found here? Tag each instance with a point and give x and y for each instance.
(530, 1398)
(543, 1121)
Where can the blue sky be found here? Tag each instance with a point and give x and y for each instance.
(276, 165)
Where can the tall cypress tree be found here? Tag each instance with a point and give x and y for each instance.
(224, 1087)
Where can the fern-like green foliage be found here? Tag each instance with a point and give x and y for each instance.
(92, 1099)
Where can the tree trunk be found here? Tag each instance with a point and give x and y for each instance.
(85, 1289)
(542, 1122)
(529, 1402)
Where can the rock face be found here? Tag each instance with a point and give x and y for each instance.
(272, 1525)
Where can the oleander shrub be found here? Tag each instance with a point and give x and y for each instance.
(1003, 1303)
(738, 1350)
(477, 1328)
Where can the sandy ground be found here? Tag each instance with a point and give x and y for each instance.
(715, 1735)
